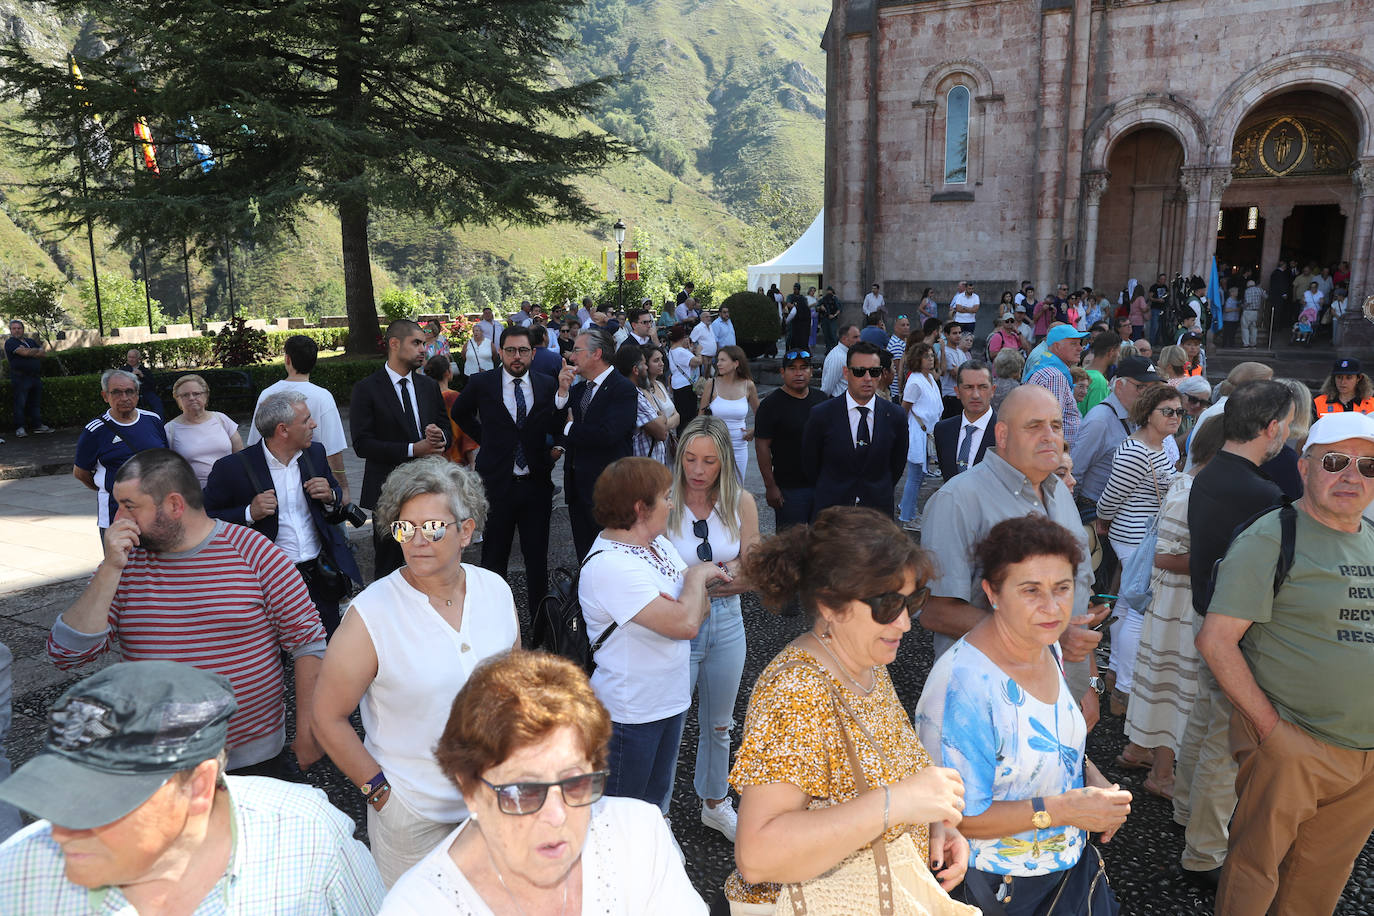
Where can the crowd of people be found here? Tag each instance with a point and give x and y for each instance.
(1086, 485)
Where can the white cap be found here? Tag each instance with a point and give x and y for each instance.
(1337, 427)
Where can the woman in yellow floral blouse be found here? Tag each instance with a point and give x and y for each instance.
(859, 578)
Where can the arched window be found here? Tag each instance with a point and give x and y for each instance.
(956, 136)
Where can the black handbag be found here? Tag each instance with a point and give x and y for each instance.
(1080, 891)
(557, 623)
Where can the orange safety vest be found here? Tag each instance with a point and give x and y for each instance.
(1196, 370)
(1335, 406)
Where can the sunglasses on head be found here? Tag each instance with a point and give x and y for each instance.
(701, 530)
(886, 607)
(434, 530)
(1335, 462)
(528, 797)
(870, 371)
(797, 354)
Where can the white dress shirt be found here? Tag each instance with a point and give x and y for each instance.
(296, 533)
(873, 302)
(852, 407)
(980, 428)
(702, 334)
(410, 393)
(832, 371)
(508, 398)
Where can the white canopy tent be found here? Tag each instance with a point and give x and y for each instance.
(803, 259)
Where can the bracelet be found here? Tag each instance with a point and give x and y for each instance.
(887, 806)
(373, 784)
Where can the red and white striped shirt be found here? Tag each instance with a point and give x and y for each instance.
(228, 605)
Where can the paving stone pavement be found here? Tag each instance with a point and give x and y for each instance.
(1142, 860)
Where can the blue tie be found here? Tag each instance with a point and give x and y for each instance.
(964, 446)
(520, 412)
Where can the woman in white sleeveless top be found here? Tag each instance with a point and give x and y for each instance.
(730, 395)
(406, 645)
(715, 520)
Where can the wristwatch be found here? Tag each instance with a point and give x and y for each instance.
(1098, 684)
(1041, 818)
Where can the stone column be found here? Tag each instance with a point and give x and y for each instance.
(1094, 186)
(1190, 180)
(1362, 255)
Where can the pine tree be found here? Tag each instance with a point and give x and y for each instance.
(443, 108)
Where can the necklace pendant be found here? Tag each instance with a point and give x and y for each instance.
(466, 648)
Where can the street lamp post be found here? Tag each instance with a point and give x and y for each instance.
(619, 229)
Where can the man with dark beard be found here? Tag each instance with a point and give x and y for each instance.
(178, 585)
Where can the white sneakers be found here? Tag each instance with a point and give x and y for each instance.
(722, 817)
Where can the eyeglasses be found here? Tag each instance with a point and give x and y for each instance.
(870, 371)
(797, 354)
(1335, 462)
(517, 351)
(1198, 402)
(1170, 412)
(434, 530)
(190, 394)
(122, 392)
(700, 530)
(528, 797)
(886, 607)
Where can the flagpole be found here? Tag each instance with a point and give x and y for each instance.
(186, 267)
(229, 267)
(142, 247)
(90, 229)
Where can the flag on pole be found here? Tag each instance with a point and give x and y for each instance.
(203, 155)
(1214, 295)
(145, 139)
(96, 142)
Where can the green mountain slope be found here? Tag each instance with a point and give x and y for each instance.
(722, 98)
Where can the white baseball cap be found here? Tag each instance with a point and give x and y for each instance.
(1337, 427)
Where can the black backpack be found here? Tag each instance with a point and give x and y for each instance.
(557, 623)
(1288, 542)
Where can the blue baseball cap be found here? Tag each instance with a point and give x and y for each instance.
(1062, 332)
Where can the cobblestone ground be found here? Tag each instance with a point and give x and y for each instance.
(1142, 861)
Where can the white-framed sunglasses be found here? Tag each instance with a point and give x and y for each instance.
(434, 530)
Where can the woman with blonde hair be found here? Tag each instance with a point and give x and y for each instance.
(716, 520)
(1173, 364)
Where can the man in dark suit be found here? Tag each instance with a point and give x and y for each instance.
(511, 412)
(854, 446)
(545, 361)
(962, 440)
(602, 408)
(396, 414)
(281, 486)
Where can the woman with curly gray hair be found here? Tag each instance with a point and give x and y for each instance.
(406, 645)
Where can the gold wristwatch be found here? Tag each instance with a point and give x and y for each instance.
(1041, 818)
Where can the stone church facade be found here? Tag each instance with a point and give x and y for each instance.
(1092, 141)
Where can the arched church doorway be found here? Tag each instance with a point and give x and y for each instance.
(1142, 216)
(1290, 167)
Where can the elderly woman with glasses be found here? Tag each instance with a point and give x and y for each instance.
(199, 435)
(113, 438)
(643, 606)
(525, 744)
(406, 644)
(830, 764)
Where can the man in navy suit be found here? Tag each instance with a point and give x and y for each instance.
(545, 361)
(510, 411)
(854, 446)
(962, 440)
(602, 411)
(281, 486)
(396, 414)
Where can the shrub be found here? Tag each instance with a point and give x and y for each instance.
(395, 304)
(239, 345)
(122, 304)
(755, 318)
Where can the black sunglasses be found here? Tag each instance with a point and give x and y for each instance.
(797, 354)
(870, 371)
(1335, 462)
(528, 797)
(700, 530)
(1198, 402)
(886, 607)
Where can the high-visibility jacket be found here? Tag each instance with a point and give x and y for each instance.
(1196, 370)
(1335, 406)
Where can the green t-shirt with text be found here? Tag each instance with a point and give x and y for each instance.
(1311, 647)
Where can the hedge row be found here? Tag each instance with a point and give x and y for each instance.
(74, 400)
(176, 353)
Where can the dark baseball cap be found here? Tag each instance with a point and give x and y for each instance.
(115, 738)
(1191, 335)
(1347, 366)
(1137, 368)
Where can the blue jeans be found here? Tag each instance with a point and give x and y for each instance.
(716, 667)
(915, 476)
(796, 508)
(1155, 317)
(643, 759)
(9, 815)
(28, 391)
